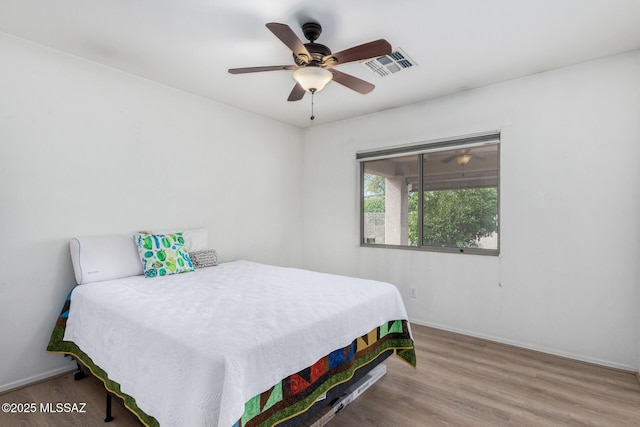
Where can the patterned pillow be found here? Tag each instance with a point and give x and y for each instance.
(163, 254)
(205, 258)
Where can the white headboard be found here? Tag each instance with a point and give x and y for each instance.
(100, 258)
(104, 258)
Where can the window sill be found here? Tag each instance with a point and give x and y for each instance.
(463, 251)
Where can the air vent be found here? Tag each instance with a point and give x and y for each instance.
(386, 65)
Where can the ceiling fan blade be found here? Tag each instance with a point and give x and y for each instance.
(297, 93)
(289, 38)
(449, 158)
(364, 51)
(260, 69)
(351, 82)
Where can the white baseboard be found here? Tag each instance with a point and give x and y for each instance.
(528, 346)
(35, 378)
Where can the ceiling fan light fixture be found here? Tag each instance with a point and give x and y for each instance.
(463, 159)
(312, 78)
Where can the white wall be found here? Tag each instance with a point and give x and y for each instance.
(566, 281)
(88, 150)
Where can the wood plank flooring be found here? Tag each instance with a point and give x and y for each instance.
(465, 381)
(460, 381)
(65, 390)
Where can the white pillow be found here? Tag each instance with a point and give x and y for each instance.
(100, 258)
(195, 239)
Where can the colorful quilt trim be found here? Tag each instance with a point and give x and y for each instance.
(291, 396)
(296, 393)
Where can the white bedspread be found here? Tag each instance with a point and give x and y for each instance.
(192, 348)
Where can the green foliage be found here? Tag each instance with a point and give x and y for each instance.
(374, 185)
(452, 218)
(374, 192)
(374, 204)
(459, 218)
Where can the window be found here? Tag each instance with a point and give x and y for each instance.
(440, 196)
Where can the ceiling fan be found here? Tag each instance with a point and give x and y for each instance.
(314, 62)
(462, 157)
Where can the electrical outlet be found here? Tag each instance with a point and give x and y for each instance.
(413, 292)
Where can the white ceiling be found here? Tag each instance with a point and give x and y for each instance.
(458, 44)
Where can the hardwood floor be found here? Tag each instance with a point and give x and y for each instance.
(465, 381)
(65, 390)
(460, 381)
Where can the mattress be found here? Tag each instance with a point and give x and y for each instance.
(198, 348)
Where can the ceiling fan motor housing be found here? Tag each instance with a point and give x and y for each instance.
(311, 31)
(319, 52)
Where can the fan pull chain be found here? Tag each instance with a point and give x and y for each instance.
(312, 93)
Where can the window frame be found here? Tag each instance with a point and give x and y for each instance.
(420, 149)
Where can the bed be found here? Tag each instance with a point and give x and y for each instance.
(235, 344)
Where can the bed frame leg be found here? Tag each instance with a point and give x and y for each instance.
(108, 418)
(80, 373)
